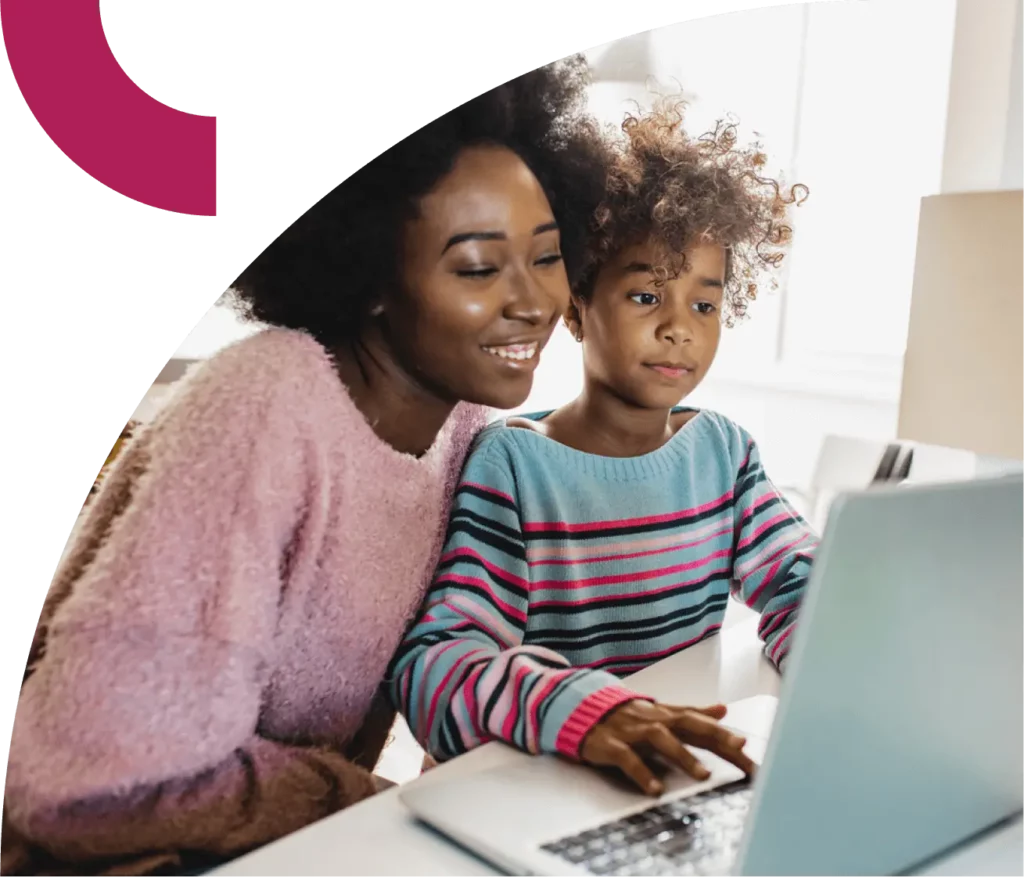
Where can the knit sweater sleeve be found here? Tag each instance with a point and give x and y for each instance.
(137, 728)
(773, 549)
(463, 675)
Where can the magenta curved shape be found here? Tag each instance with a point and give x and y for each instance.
(98, 117)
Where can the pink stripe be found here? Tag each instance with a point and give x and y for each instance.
(469, 697)
(587, 714)
(770, 553)
(537, 699)
(761, 528)
(488, 490)
(515, 612)
(630, 555)
(780, 641)
(768, 578)
(491, 622)
(586, 527)
(751, 511)
(572, 584)
(628, 543)
(433, 658)
(466, 552)
(598, 599)
(512, 691)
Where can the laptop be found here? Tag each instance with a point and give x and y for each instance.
(897, 735)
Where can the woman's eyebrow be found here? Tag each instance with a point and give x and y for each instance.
(493, 236)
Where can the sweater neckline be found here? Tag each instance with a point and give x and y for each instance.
(641, 466)
(429, 460)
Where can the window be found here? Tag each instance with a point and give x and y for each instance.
(847, 97)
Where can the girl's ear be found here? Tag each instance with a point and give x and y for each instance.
(574, 320)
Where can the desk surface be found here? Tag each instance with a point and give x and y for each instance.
(379, 837)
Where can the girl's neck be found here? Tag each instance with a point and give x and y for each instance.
(401, 412)
(598, 422)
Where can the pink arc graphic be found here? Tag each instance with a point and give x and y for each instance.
(99, 118)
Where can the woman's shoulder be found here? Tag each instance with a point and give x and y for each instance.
(270, 368)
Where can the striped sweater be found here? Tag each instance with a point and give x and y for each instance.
(564, 570)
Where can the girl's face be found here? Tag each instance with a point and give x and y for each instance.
(650, 343)
(483, 282)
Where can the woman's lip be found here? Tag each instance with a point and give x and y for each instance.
(518, 355)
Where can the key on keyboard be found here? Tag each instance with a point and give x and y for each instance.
(696, 835)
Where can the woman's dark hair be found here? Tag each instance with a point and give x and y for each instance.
(672, 190)
(325, 272)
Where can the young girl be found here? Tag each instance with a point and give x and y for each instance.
(589, 542)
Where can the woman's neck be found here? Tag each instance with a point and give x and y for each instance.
(598, 422)
(400, 410)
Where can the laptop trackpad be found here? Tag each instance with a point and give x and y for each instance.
(544, 796)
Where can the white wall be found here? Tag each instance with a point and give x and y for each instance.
(849, 98)
(219, 327)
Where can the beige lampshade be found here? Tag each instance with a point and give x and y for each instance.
(962, 385)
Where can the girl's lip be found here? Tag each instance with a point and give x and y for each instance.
(670, 370)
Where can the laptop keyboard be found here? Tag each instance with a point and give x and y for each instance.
(695, 835)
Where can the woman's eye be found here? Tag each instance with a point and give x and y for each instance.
(476, 273)
(705, 307)
(644, 298)
(550, 259)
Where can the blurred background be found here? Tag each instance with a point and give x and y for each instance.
(876, 105)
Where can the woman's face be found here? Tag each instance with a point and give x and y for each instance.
(483, 282)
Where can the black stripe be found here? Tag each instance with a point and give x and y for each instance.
(478, 534)
(552, 697)
(485, 496)
(497, 578)
(589, 638)
(632, 600)
(679, 520)
(511, 533)
(499, 690)
(795, 584)
(762, 537)
(765, 631)
(630, 667)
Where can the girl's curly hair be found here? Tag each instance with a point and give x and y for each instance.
(675, 191)
(323, 273)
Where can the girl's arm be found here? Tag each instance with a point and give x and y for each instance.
(773, 551)
(463, 676)
(137, 726)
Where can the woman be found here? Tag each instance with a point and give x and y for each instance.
(205, 675)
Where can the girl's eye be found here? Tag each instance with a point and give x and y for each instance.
(550, 259)
(644, 298)
(476, 273)
(705, 307)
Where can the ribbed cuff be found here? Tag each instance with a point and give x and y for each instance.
(588, 713)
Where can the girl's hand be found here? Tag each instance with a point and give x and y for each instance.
(636, 727)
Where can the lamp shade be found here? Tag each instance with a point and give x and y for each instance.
(962, 384)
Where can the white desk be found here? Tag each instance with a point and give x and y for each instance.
(379, 837)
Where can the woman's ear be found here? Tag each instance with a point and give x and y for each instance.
(574, 319)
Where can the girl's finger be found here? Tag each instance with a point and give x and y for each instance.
(737, 757)
(700, 729)
(614, 752)
(670, 747)
(715, 711)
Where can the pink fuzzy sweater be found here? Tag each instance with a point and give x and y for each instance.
(206, 670)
